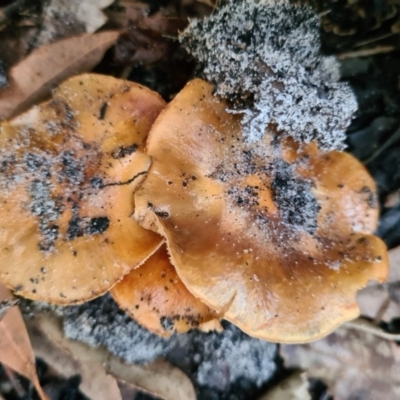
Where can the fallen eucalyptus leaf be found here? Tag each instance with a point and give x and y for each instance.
(33, 78)
(95, 382)
(15, 348)
(353, 363)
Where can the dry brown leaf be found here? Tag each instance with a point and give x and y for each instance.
(34, 77)
(295, 387)
(95, 382)
(394, 262)
(159, 378)
(15, 348)
(61, 19)
(382, 302)
(354, 364)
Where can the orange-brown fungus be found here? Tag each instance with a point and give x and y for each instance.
(69, 168)
(156, 298)
(274, 236)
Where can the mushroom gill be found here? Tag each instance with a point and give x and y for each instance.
(275, 236)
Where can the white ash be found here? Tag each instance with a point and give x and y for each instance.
(241, 357)
(264, 56)
(101, 323)
(225, 364)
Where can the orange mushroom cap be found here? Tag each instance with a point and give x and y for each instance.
(156, 298)
(69, 168)
(274, 236)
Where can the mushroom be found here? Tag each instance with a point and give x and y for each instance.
(275, 236)
(156, 298)
(69, 168)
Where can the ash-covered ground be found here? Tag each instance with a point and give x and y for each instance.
(222, 365)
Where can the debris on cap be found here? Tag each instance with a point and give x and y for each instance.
(154, 296)
(275, 236)
(69, 168)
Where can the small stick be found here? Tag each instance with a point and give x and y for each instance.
(366, 52)
(366, 326)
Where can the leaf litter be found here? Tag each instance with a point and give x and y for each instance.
(33, 78)
(15, 348)
(354, 364)
(99, 369)
(381, 302)
(61, 19)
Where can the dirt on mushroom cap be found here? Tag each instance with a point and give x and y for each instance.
(253, 234)
(156, 298)
(69, 168)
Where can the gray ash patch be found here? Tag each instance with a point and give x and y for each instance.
(75, 228)
(244, 197)
(47, 210)
(296, 203)
(55, 180)
(226, 365)
(101, 323)
(96, 183)
(166, 323)
(265, 57)
(73, 168)
(222, 365)
(240, 161)
(371, 198)
(6, 162)
(3, 75)
(292, 194)
(38, 164)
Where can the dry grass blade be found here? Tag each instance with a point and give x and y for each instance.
(15, 348)
(159, 378)
(34, 77)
